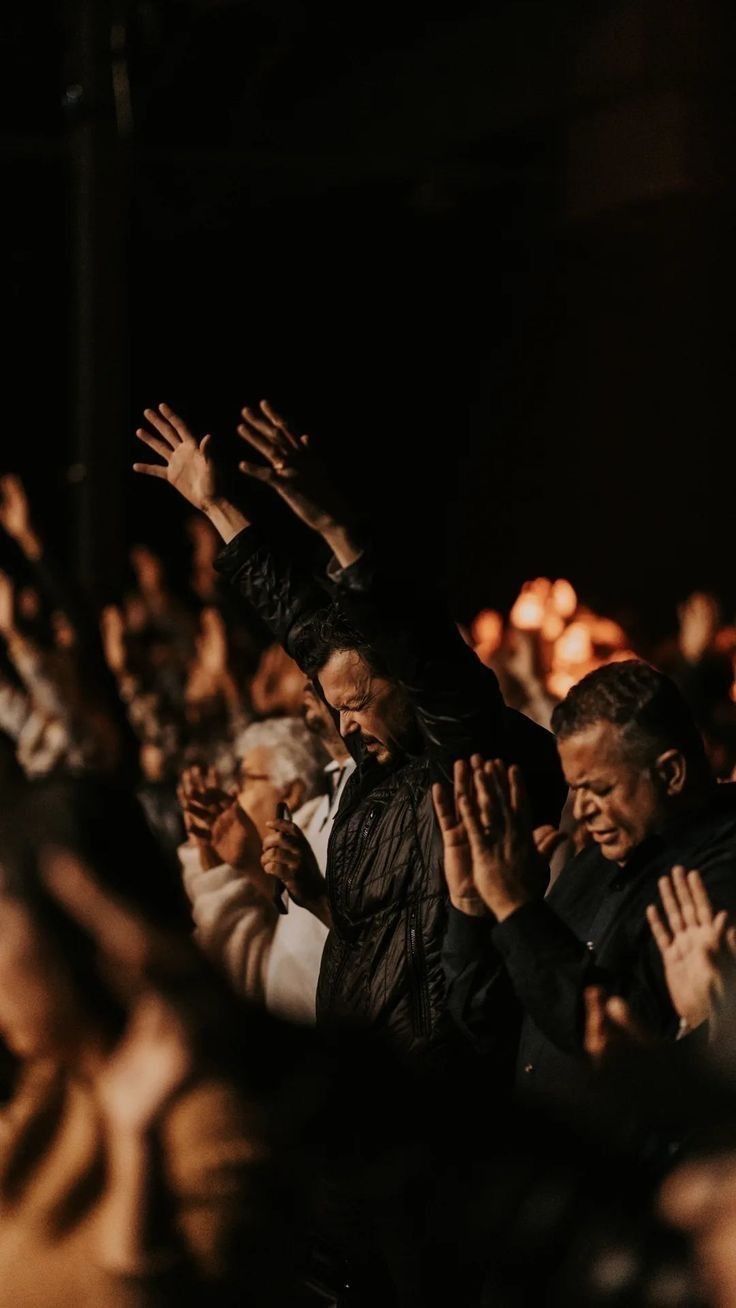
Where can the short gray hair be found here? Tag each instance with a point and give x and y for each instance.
(297, 753)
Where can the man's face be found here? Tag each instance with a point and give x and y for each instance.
(319, 720)
(619, 801)
(373, 706)
(258, 794)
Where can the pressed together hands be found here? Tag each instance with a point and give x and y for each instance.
(225, 833)
(495, 863)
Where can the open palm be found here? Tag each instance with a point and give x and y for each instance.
(690, 942)
(187, 464)
(456, 845)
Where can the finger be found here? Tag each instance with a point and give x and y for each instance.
(201, 833)
(178, 424)
(255, 470)
(277, 840)
(290, 858)
(444, 806)
(500, 775)
(595, 1021)
(671, 906)
(164, 428)
(518, 796)
(684, 899)
(205, 443)
(289, 828)
(701, 900)
(151, 470)
(274, 445)
(460, 779)
(471, 821)
(486, 800)
(278, 421)
(154, 443)
(618, 1012)
(661, 935)
(201, 811)
(276, 867)
(720, 926)
(547, 840)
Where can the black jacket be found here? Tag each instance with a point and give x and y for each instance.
(591, 929)
(381, 963)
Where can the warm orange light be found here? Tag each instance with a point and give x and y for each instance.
(604, 631)
(559, 683)
(563, 599)
(552, 625)
(528, 611)
(486, 633)
(574, 645)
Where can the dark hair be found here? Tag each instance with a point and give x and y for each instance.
(645, 704)
(327, 632)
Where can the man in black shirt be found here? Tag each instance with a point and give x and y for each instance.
(644, 792)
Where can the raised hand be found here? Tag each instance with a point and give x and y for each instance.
(609, 1025)
(112, 631)
(691, 943)
(235, 839)
(152, 1061)
(458, 862)
(15, 515)
(212, 652)
(187, 464)
(507, 868)
(7, 605)
(301, 479)
(699, 620)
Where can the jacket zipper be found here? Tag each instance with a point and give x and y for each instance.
(416, 973)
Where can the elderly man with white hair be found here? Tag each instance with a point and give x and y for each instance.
(270, 946)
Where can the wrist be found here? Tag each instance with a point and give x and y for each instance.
(469, 905)
(503, 906)
(227, 520)
(341, 540)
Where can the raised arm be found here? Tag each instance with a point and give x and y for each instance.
(280, 589)
(457, 700)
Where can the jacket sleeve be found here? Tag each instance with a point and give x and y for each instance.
(480, 999)
(283, 592)
(550, 966)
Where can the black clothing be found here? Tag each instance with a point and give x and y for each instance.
(381, 964)
(591, 930)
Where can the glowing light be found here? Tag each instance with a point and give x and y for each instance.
(574, 645)
(563, 599)
(529, 609)
(487, 631)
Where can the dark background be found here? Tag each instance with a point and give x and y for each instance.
(483, 252)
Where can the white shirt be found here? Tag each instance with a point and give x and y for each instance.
(268, 957)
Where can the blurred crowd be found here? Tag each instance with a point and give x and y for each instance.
(350, 955)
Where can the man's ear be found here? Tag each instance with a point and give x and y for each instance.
(671, 768)
(293, 794)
